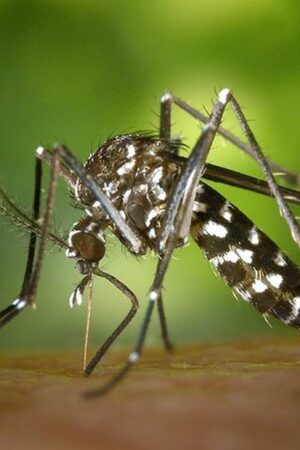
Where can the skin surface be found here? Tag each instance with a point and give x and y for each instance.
(214, 396)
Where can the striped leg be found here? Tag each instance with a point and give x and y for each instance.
(35, 257)
(225, 97)
(178, 214)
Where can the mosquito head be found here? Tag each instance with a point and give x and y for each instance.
(86, 244)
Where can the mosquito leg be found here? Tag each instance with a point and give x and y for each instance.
(226, 97)
(165, 117)
(164, 325)
(35, 273)
(88, 320)
(185, 184)
(184, 190)
(21, 302)
(165, 134)
(290, 177)
(263, 163)
(154, 295)
(130, 236)
(70, 166)
(242, 181)
(121, 327)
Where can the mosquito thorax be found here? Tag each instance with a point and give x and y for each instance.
(136, 172)
(86, 241)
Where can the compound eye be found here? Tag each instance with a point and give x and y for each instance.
(88, 246)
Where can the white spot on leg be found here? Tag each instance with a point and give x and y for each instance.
(274, 279)
(224, 96)
(39, 151)
(215, 229)
(259, 286)
(153, 296)
(20, 303)
(167, 97)
(133, 357)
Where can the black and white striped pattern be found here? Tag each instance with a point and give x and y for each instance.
(247, 260)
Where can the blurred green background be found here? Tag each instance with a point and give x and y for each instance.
(75, 73)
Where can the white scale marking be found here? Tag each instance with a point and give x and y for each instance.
(110, 188)
(275, 279)
(73, 233)
(152, 233)
(70, 253)
(226, 212)
(215, 229)
(141, 188)
(126, 168)
(296, 306)
(259, 286)
(157, 175)
(246, 255)
(152, 213)
(126, 195)
(159, 193)
(279, 260)
(199, 207)
(244, 294)
(19, 303)
(230, 256)
(254, 236)
(295, 303)
(75, 297)
(130, 151)
(200, 189)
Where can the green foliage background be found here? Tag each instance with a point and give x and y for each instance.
(76, 72)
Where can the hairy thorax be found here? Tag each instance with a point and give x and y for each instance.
(136, 172)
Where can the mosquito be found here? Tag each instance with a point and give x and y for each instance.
(139, 187)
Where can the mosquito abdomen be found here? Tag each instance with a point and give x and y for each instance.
(247, 260)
